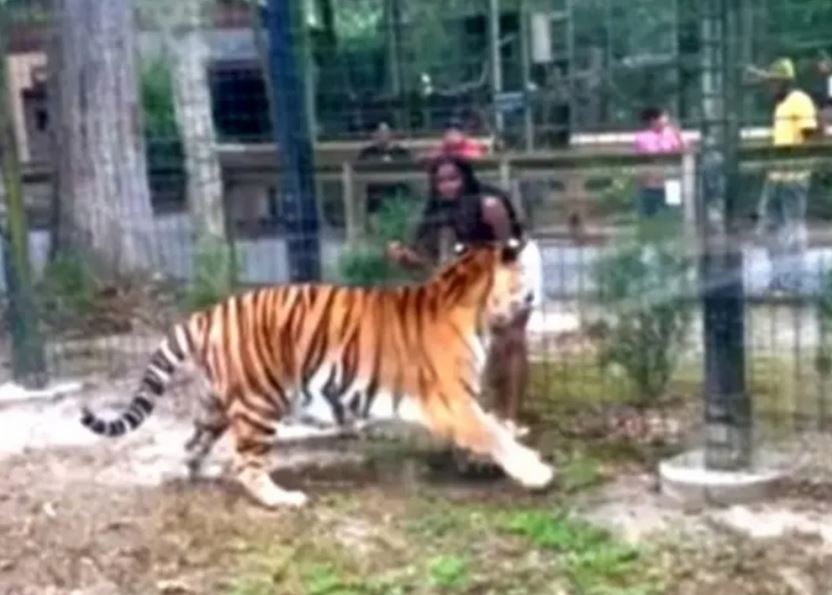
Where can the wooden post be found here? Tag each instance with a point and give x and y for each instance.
(505, 172)
(496, 63)
(352, 219)
(28, 361)
(688, 177)
(526, 65)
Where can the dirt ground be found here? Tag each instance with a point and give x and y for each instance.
(82, 515)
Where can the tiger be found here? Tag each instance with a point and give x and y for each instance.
(344, 354)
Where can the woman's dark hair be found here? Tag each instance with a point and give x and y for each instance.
(470, 184)
(463, 213)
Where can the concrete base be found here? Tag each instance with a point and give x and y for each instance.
(685, 479)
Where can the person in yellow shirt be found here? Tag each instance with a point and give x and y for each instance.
(782, 209)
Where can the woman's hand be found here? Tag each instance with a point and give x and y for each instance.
(397, 252)
(404, 256)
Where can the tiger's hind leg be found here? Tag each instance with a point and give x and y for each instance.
(254, 439)
(210, 424)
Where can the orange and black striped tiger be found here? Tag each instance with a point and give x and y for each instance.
(346, 354)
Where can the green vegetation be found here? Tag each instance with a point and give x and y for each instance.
(617, 196)
(157, 99)
(163, 144)
(579, 473)
(214, 277)
(444, 547)
(448, 572)
(645, 285)
(67, 288)
(823, 361)
(366, 263)
(591, 558)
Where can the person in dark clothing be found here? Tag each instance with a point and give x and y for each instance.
(461, 209)
(383, 149)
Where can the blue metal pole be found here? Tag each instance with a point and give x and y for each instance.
(728, 407)
(286, 34)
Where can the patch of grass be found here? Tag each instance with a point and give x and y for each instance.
(251, 585)
(577, 381)
(325, 580)
(782, 384)
(305, 565)
(553, 531)
(777, 386)
(444, 522)
(580, 472)
(448, 571)
(441, 546)
(572, 401)
(593, 560)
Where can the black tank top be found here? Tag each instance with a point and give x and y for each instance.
(465, 217)
(469, 226)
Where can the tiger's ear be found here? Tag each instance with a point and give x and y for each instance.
(511, 250)
(459, 249)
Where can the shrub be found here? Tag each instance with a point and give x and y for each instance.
(366, 263)
(68, 287)
(645, 286)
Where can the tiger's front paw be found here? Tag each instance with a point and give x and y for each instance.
(540, 477)
(532, 473)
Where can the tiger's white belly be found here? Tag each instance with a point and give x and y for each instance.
(313, 406)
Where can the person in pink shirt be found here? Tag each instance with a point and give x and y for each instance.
(658, 136)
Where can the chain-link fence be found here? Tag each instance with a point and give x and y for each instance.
(164, 162)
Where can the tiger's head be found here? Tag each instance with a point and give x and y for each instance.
(508, 295)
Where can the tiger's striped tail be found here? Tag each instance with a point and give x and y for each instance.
(173, 351)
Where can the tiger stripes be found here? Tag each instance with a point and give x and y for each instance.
(342, 355)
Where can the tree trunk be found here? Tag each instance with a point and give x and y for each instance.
(104, 199)
(184, 26)
(195, 119)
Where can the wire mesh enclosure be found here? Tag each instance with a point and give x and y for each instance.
(146, 150)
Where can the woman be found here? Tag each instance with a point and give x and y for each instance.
(461, 209)
(658, 136)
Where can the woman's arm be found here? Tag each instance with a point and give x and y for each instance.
(494, 213)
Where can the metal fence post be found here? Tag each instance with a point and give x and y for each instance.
(728, 405)
(495, 54)
(287, 36)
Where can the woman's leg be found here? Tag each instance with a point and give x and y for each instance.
(509, 368)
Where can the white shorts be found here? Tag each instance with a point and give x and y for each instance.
(532, 262)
